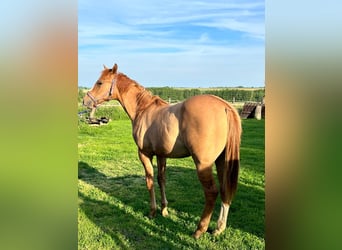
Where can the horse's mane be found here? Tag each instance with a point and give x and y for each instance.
(144, 98)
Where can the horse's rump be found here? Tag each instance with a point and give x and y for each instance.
(205, 125)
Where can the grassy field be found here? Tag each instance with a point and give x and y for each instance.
(114, 201)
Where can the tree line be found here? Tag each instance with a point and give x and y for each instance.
(229, 94)
(179, 94)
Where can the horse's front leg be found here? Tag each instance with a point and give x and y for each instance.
(147, 162)
(161, 162)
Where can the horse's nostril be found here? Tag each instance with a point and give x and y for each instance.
(86, 103)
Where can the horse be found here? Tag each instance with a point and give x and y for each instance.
(205, 127)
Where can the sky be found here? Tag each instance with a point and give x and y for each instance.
(176, 43)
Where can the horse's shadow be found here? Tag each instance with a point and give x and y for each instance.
(108, 216)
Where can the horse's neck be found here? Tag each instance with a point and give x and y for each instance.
(133, 100)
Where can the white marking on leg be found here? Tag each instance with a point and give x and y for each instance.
(222, 220)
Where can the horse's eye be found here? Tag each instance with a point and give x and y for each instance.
(99, 83)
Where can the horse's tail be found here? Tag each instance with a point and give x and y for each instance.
(232, 153)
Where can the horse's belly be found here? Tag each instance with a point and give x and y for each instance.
(178, 153)
(171, 150)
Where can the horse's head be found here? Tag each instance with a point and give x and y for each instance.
(103, 89)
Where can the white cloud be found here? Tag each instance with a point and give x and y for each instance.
(251, 27)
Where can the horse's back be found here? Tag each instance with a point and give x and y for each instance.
(207, 111)
(205, 103)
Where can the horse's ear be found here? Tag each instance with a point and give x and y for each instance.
(104, 66)
(115, 68)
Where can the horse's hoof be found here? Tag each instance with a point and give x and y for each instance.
(165, 213)
(197, 234)
(217, 232)
(152, 214)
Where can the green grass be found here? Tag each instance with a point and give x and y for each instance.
(114, 201)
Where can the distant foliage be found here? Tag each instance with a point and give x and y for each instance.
(114, 113)
(229, 94)
(180, 94)
(81, 93)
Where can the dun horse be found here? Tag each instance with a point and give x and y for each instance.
(204, 127)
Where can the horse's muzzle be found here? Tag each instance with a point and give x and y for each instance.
(89, 101)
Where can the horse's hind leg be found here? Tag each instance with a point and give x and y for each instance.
(161, 162)
(206, 178)
(225, 195)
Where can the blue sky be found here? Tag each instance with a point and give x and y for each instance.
(173, 43)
